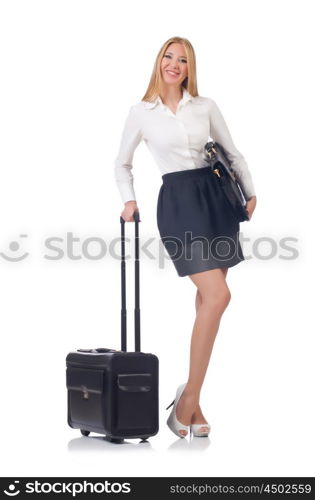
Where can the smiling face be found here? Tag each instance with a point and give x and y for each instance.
(174, 64)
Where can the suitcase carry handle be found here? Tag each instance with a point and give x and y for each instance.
(136, 216)
(99, 349)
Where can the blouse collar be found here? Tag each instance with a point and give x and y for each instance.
(186, 97)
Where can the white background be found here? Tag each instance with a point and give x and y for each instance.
(70, 70)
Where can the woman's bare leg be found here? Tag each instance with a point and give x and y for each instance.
(213, 296)
(197, 416)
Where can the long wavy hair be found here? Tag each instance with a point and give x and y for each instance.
(190, 82)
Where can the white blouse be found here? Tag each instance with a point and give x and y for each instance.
(176, 141)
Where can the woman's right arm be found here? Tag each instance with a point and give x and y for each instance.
(131, 137)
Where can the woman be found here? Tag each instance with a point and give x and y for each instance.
(192, 214)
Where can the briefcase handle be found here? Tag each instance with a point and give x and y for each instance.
(136, 216)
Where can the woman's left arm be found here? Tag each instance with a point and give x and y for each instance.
(220, 133)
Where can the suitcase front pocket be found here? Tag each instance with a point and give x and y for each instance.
(135, 382)
(85, 388)
(135, 400)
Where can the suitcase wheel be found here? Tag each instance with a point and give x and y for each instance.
(144, 439)
(115, 440)
(84, 433)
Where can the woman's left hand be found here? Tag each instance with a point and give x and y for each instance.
(251, 205)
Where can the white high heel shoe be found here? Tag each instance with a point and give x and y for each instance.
(195, 429)
(172, 421)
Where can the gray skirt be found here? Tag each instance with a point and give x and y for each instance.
(196, 223)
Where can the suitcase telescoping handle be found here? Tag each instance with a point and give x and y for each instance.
(136, 217)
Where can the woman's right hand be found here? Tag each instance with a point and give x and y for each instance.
(130, 208)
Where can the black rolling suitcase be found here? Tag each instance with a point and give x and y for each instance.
(115, 392)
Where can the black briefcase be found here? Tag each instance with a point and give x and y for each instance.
(115, 392)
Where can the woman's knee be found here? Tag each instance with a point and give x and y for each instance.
(227, 296)
(218, 298)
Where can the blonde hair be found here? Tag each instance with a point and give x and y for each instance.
(190, 82)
